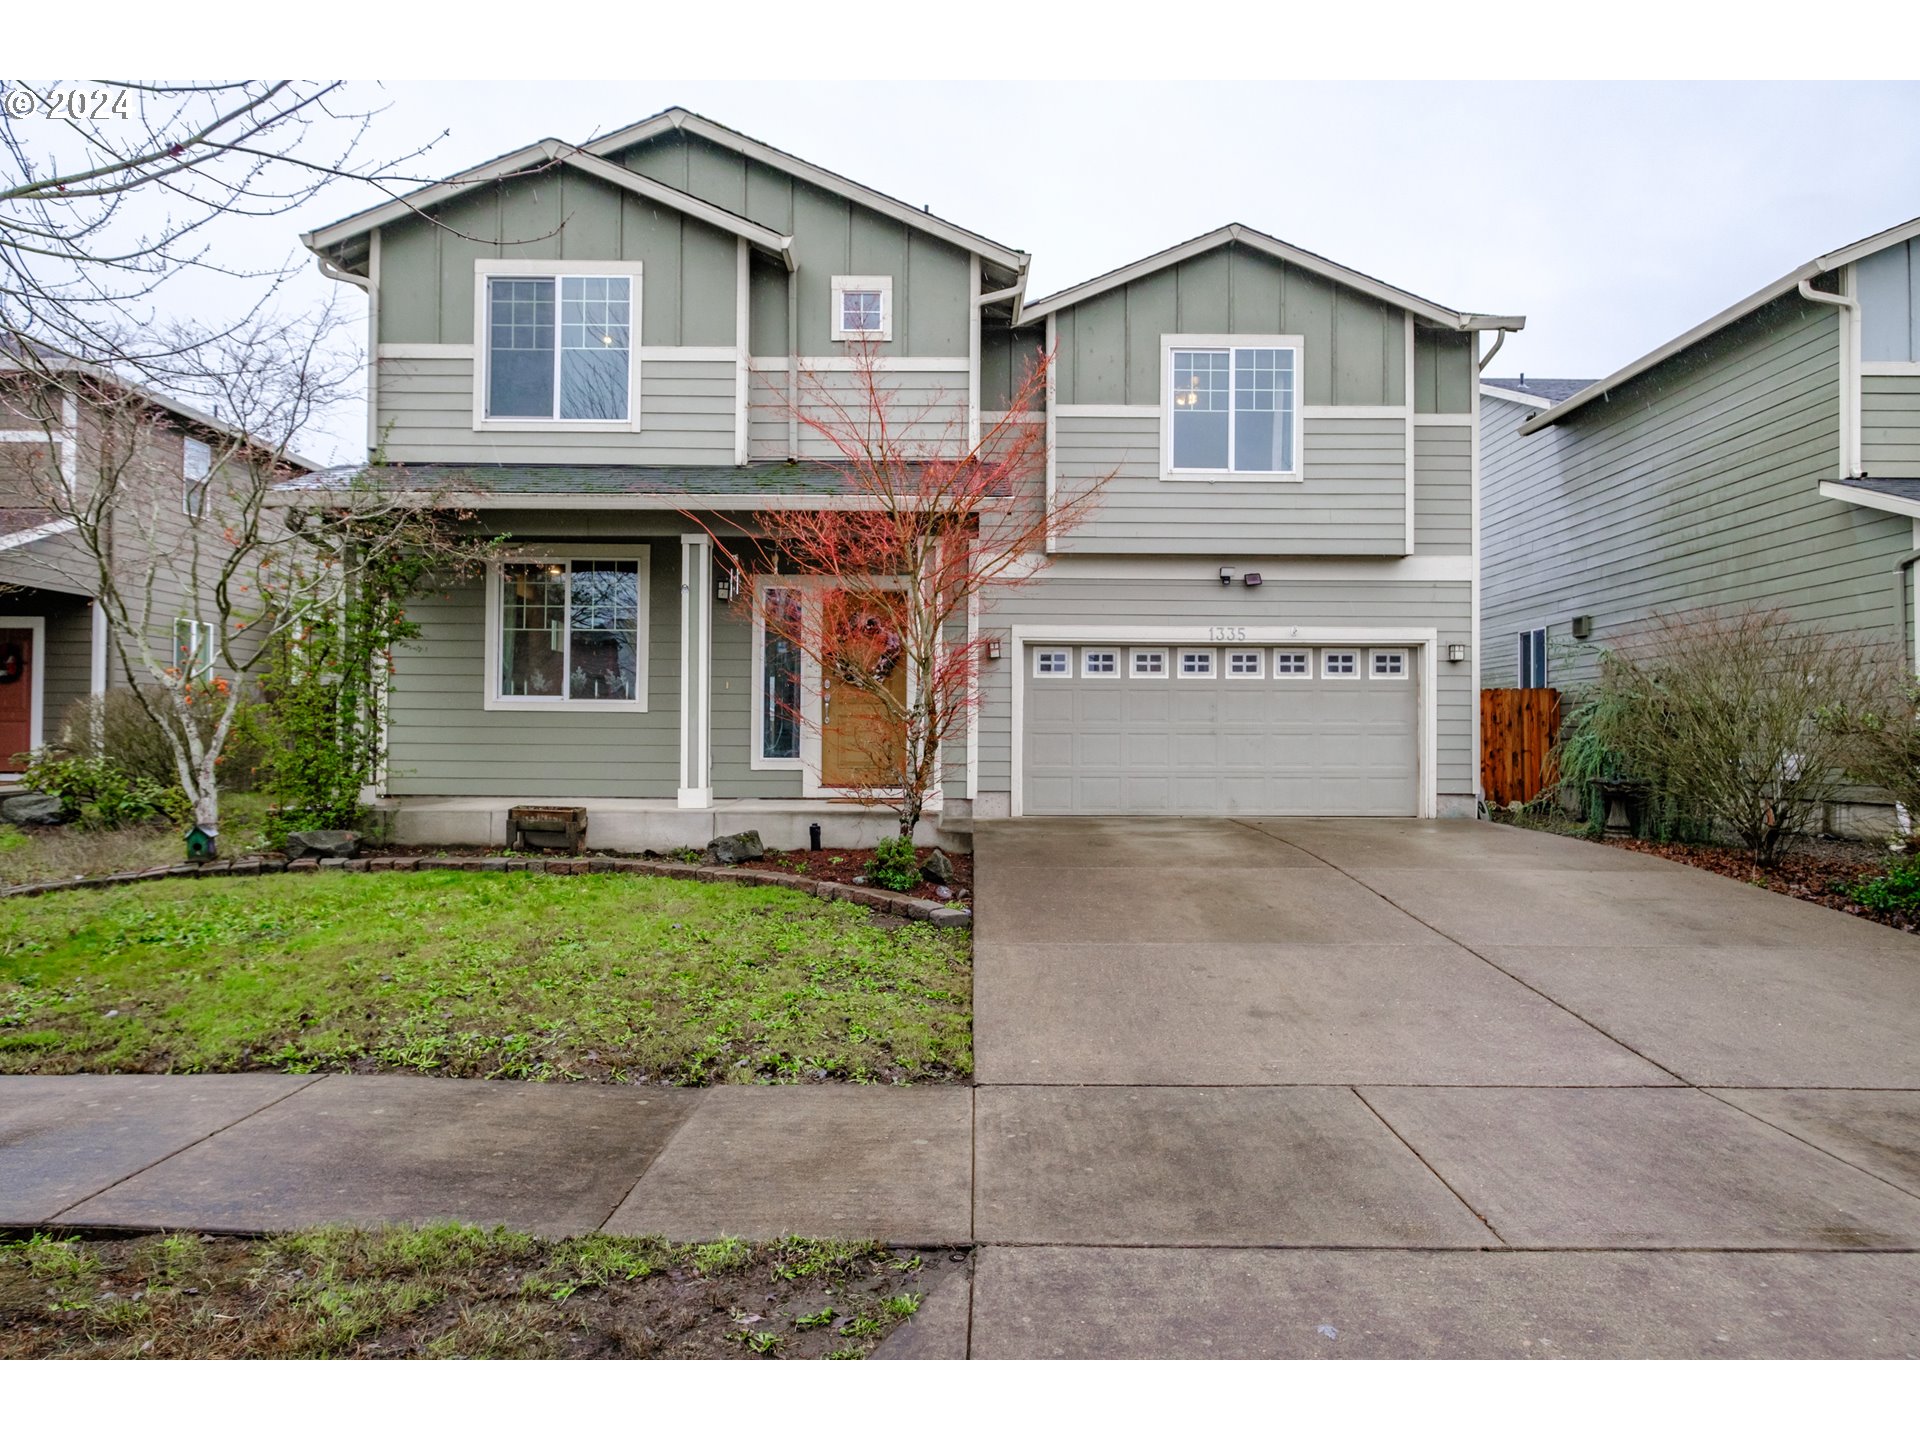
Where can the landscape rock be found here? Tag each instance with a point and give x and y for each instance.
(32, 809)
(732, 849)
(323, 844)
(949, 918)
(937, 867)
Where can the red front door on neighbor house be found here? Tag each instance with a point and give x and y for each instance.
(16, 695)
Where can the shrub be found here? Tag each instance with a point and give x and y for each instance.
(101, 794)
(1896, 892)
(1881, 739)
(1722, 715)
(895, 866)
(116, 725)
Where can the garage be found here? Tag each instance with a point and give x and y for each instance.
(1117, 728)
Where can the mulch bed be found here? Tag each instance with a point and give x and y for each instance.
(1821, 871)
(844, 865)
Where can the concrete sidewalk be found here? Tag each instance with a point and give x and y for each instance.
(1303, 1088)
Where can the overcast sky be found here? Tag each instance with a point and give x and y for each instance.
(1613, 216)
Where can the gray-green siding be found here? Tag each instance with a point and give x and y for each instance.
(926, 409)
(1156, 596)
(686, 407)
(1443, 489)
(1351, 501)
(1887, 284)
(1890, 426)
(1695, 485)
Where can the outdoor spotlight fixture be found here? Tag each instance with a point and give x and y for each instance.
(1251, 579)
(1226, 576)
(1456, 652)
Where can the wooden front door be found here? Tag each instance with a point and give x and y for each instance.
(16, 695)
(860, 743)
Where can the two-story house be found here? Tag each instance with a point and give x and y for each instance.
(1271, 610)
(62, 425)
(1768, 456)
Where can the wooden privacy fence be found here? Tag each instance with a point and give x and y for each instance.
(1517, 731)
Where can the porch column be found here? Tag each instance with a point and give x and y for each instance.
(696, 672)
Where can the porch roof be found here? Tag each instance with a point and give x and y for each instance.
(780, 485)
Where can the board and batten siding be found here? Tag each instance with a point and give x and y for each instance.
(1887, 285)
(1693, 486)
(690, 270)
(1352, 500)
(443, 741)
(1159, 596)
(1890, 426)
(687, 417)
(1443, 489)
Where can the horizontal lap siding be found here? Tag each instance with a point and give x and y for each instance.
(734, 777)
(1695, 486)
(686, 418)
(923, 409)
(1352, 501)
(1890, 426)
(1157, 599)
(1443, 489)
(442, 741)
(67, 664)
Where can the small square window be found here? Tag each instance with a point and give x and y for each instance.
(1389, 664)
(1099, 662)
(1053, 662)
(1335, 663)
(1150, 663)
(862, 307)
(1196, 664)
(1244, 664)
(1292, 662)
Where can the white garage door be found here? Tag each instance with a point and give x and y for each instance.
(1119, 729)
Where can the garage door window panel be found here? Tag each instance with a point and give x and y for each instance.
(1100, 664)
(1196, 664)
(1388, 665)
(1292, 664)
(1053, 664)
(1340, 664)
(1149, 664)
(1245, 664)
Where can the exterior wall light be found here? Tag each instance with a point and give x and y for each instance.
(1226, 576)
(993, 649)
(1251, 579)
(1456, 652)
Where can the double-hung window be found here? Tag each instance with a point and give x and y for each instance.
(196, 473)
(570, 633)
(559, 347)
(1233, 406)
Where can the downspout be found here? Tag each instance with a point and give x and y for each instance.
(1849, 309)
(793, 364)
(1499, 339)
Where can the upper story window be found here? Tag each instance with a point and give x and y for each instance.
(863, 307)
(1233, 407)
(559, 346)
(193, 647)
(196, 471)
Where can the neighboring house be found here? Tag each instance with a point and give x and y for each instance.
(1769, 456)
(54, 649)
(1273, 610)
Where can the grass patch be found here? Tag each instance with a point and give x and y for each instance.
(508, 976)
(446, 1291)
(29, 854)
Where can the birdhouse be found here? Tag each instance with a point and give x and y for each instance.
(202, 844)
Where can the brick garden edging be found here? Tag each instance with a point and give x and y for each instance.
(884, 902)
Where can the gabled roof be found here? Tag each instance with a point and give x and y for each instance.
(550, 152)
(1279, 249)
(1766, 294)
(1537, 392)
(677, 118)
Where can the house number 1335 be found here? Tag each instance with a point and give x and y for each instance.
(1226, 632)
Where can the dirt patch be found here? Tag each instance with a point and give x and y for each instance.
(1820, 871)
(845, 866)
(454, 1292)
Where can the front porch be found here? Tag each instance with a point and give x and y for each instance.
(659, 825)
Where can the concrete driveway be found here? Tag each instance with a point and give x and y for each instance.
(1326, 1087)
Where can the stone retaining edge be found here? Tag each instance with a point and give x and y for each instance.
(885, 902)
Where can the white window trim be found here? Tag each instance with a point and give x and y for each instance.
(492, 699)
(1039, 674)
(1171, 343)
(204, 636)
(1212, 671)
(1119, 664)
(194, 486)
(1359, 664)
(844, 283)
(1279, 674)
(37, 678)
(1259, 671)
(1525, 657)
(485, 270)
(1165, 666)
(1406, 665)
(757, 758)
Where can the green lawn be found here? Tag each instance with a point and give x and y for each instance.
(515, 975)
(446, 1291)
(60, 852)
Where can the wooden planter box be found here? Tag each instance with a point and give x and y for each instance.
(548, 827)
